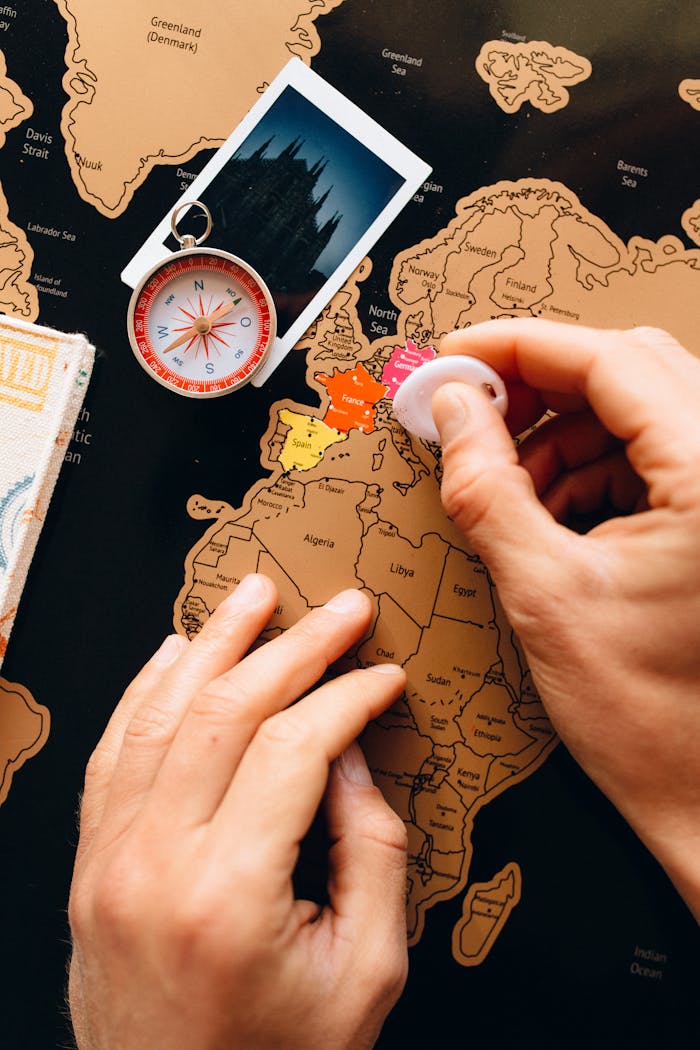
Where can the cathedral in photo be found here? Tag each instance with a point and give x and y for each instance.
(268, 211)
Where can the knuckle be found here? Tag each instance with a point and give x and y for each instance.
(106, 900)
(287, 730)
(152, 723)
(221, 700)
(457, 484)
(657, 339)
(115, 895)
(309, 634)
(658, 345)
(219, 627)
(394, 830)
(99, 767)
(468, 496)
(384, 825)
(389, 974)
(396, 975)
(79, 911)
(195, 930)
(191, 925)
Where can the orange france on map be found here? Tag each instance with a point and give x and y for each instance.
(353, 396)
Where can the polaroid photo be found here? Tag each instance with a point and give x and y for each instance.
(301, 190)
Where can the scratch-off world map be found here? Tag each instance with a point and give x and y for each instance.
(353, 500)
(565, 150)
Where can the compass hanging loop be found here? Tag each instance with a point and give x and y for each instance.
(187, 240)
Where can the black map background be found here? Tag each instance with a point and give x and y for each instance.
(110, 560)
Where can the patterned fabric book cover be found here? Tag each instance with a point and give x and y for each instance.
(43, 378)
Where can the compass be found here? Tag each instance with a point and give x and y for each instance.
(201, 321)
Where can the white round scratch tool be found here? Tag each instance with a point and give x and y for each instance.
(412, 399)
(201, 321)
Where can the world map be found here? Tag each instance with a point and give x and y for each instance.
(353, 500)
(549, 197)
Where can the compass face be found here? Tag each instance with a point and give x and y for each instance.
(201, 323)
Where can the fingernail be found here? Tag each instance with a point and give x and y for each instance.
(352, 765)
(170, 649)
(450, 412)
(385, 668)
(347, 601)
(251, 590)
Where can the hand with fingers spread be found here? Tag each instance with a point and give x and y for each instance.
(609, 619)
(186, 930)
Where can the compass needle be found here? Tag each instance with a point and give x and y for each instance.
(182, 339)
(180, 324)
(221, 311)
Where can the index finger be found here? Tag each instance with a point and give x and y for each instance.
(285, 770)
(631, 379)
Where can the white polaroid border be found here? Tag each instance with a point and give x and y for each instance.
(411, 168)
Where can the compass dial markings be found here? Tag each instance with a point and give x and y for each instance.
(217, 352)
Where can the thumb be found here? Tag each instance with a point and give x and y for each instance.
(367, 861)
(486, 491)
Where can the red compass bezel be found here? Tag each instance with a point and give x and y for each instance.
(151, 287)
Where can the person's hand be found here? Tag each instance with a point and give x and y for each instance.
(186, 931)
(609, 620)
